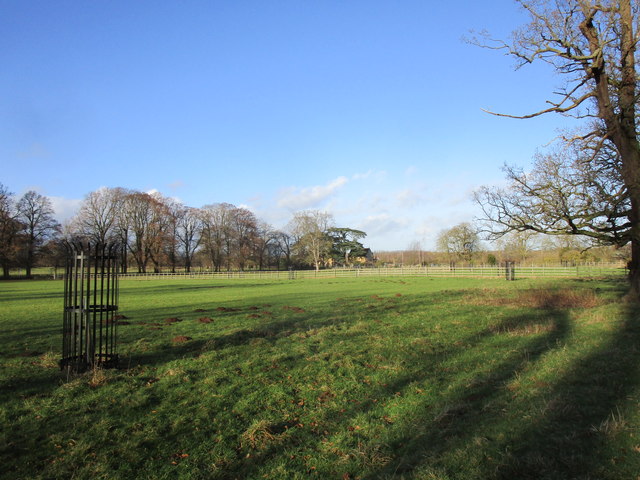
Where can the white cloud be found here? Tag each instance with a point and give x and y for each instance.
(408, 198)
(65, 208)
(382, 224)
(370, 175)
(296, 198)
(176, 185)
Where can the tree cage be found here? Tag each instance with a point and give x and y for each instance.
(90, 306)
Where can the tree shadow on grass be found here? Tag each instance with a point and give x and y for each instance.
(270, 331)
(566, 439)
(560, 433)
(586, 409)
(458, 413)
(468, 412)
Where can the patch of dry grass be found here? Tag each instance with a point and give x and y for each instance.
(543, 298)
(260, 435)
(523, 326)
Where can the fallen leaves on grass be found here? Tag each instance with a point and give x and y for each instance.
(178, 457)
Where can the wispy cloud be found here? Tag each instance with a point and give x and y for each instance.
(411, 171)
(175, 185)
(408, 198)
(296, 198)
(65, 208)
(376, 175)
(382, 224)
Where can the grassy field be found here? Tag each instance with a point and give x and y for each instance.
(330, 378)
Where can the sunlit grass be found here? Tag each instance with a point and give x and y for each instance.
(333, 378)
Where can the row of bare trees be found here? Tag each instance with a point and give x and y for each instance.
(157, 232)
(27, 226)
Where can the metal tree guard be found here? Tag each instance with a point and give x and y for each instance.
(90, 304)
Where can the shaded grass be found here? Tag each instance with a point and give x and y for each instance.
(340, 378)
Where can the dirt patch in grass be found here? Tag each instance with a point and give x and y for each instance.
(152, 325)
(180, 339)
(119, 319)
(205, 320)
(293, 309)
(199, 310)
(172, 320)
(227, 309)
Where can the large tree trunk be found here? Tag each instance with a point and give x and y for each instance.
(634, 270)
(620, 124)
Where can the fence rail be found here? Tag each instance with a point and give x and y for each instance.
(580, 271)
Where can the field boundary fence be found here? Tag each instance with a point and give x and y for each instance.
(578, 271)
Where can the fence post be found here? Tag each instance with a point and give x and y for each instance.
(510, 271)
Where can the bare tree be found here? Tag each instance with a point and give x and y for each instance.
(189, 228)
(310, 230)
(283, 247)
(459, 243)
(173, 209)
(9, 230)
(264, 243)
(243, 232)
(35, 213)
(414, 253)
(147, 220)
(565, 193)
(99, 214)
(591, 43)
(517, 246)
(216, 233)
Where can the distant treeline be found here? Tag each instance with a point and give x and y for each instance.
(158, 233)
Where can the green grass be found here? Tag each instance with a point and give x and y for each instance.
(332, 378)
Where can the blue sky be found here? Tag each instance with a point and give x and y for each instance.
(370, 110)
